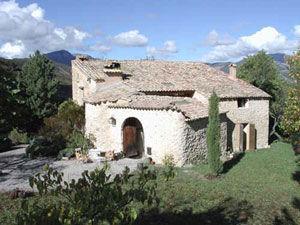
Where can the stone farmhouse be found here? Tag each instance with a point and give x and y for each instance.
(151, 108)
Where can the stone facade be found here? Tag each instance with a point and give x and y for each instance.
(172, 123)
(195, 146)
(255, 112)
(163, 130)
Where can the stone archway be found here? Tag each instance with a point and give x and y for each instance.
(133, 138)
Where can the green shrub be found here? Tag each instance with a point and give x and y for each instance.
(169, 163)
(18, 137)
(213, 136)
(5, 143)
(79, 140)
(65, 127)
(72, 114)
(95, 198)
(42, 146)
(67, 152)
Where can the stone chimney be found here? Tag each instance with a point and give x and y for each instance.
(82, 57)
(232, 70)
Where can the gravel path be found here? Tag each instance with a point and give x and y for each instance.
(16, 168)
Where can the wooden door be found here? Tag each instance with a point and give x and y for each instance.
(130, 141)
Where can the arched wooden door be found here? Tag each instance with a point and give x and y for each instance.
(133, 138)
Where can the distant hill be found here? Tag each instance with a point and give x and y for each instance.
(279, 58)
(62, 57)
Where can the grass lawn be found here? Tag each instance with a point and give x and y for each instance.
(259, 187)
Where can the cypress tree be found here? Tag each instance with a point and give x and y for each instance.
(213, 136)
(41, 87)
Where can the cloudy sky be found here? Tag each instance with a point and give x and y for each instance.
(206, 30)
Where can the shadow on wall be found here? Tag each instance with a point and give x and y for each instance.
(229, 212)
(230, 128)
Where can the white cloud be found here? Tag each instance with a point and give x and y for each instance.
(297, 30)
(28, 26)
(213, 39)
(268, 39)
(100, 48)
(131, 38)
(15, 49)
(168, 48)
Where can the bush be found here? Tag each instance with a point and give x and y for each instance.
(42, 146)
(67, 152)
(5, 143)
(72, 114)
(78, 140)
(95, 198)
(18, 137)
(64, 127)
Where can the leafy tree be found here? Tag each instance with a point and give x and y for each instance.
(213, 136)
(291, 117)
(40, 85)
(261, 71)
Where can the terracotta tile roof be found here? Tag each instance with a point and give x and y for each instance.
(147, 75)
(191, 108)
(111, 93)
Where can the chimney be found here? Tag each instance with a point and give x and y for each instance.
(232, 70)
(82, 57)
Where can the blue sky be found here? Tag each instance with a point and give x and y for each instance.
(215, 30)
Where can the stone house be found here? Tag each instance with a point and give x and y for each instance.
(156, 108)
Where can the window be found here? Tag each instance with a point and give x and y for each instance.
(149, 151)
(243, 103)
(112, 121)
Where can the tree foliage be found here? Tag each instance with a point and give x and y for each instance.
(40, 85)
(8, 96)
(95, 198)
(261, 71)
(291, 117)
(213, 136)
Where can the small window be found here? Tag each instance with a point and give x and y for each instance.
(112, 121)
(149, 151)
(243, 103)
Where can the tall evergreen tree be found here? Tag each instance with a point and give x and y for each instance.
(261, 71)
(41, 87)
(213, 136)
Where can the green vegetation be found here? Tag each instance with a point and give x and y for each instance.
(18, 137)
(95, 198)
(213, 136)
(39, 83)
(64, 129)
(261, 71)
(291, 119)
(259, 188)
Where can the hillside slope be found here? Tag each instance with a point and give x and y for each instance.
(279, 59)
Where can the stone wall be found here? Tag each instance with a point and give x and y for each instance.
(195, 147)
(256, 112)
(163, 130)
(81, 85)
